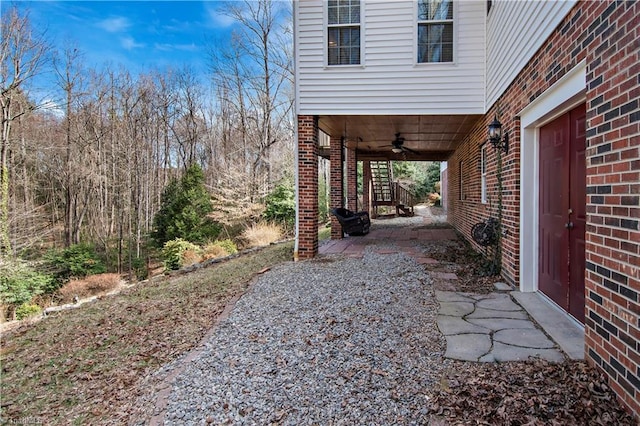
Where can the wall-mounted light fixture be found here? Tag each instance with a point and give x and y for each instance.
(495, 136)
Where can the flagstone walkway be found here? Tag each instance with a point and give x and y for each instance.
(477, 327)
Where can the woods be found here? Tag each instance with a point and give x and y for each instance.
(87, 159)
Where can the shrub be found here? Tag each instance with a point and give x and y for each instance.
(173, 250)
(220, 248)
(76, 261)
(281, 204)
(262, 234)
(228, 246)
(27, 310)
(89, 286)
(183, 212)
(20, 282)
(213, 251)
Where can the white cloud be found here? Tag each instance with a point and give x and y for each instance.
(168, 47)
(52, 107)
(217, 19)
(115, 25)
(129, 43)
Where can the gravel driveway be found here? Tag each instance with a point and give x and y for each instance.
(329, 341)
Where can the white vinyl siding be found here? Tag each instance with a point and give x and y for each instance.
(389, 81)
(515, 32)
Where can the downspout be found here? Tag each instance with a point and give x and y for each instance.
(295, 134)
(297, 195)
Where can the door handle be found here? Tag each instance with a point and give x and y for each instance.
(568, 225)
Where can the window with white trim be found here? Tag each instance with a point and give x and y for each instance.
(435, 30)
(343, 32)
(483, 173)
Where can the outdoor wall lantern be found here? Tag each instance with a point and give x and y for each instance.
(495, 136)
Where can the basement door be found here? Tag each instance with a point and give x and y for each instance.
(562, 174)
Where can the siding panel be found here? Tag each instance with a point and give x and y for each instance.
(519, 28)
(389, 80)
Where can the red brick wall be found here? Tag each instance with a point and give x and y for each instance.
(335, 180)
(613, 195)
(352, 180)
(607, 35)
(307, 187)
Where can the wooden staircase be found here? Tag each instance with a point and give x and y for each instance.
(386, 192)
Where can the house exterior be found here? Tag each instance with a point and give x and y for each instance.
(563, 79)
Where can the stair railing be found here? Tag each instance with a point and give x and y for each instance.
(403, 195)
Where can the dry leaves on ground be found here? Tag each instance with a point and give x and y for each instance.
(86, 366)
(527, 393)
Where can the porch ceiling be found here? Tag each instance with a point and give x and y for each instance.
(433, 137)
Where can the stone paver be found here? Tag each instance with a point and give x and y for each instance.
(491, 328)
(468, 346)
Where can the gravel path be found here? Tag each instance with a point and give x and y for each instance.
(329, 341)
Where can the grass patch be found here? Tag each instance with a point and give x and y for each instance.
(324, 233)
(85, 365)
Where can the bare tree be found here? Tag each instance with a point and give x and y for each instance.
(23, 56)
(255, 74)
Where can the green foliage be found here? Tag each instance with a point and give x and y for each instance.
(173, 250)
(184, 209)
(139, 266)
(433, 176)
(323, 201)
(27, 310)
(20, 282)
(76, 261)
(281, 204)
(423, 176)
(228, 246)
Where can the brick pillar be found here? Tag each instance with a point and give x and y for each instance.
(352, 180)
(335, 158)
(307, 187)
(366, 186)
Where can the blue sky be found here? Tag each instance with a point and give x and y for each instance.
(139, 35)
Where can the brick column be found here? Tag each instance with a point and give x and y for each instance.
(352, 180)
(366, 186)
(307, 187)
(335, 179)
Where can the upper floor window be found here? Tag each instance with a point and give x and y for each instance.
(343, 32)
(435, 31)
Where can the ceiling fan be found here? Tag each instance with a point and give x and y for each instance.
(397, 145)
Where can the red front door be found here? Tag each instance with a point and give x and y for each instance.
(562, 174)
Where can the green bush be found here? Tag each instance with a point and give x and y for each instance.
(139, 266)
(173, 250)
(76, 261)
(228, 246)
(281, 204)
(184, 209)
(20, 282)
(27, 310)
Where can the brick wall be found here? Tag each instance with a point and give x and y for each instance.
(613, 195)
(607, 35)
(335, 183)
(352, 180)
(307, 187)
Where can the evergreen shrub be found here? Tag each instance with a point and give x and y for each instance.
(173, 252)
(76, 261)
(183, 212)
(20, 282)
(281, 204)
